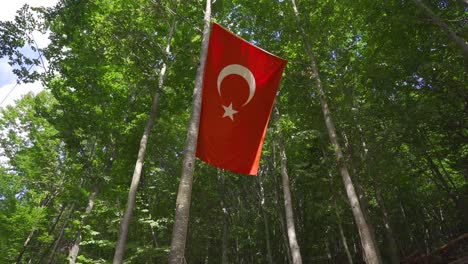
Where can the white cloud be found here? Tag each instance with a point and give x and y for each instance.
(9, 7)
(18, 91)
(5, 72)
(8, 79)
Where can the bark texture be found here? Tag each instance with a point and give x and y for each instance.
(340, 228)
(293, 244)
(371, 250)
(389, 234)
(124, 226)
(225, 239)
(179, 232)
(75, 249)
(280, 210)
(266, 224)
(60, 236)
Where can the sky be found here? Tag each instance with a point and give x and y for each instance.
(7, 78)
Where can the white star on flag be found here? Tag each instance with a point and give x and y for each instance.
(228, 111)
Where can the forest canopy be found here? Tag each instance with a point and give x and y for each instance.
(364, 159)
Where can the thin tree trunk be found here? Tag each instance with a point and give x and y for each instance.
(44, 203)
(207, 257)
(225, 240)
(340, 227)
(411, 235)
(225, 248)
(74, 250)
(25, 245)
(439, 176)
(328, 252)
(124, 226)
(238, 260)
(437, 21)
(358, 187)
(369, 244)
(51, 230)
(279, 209)
(266, 225)
(338, 217)
(389, 234)
(295, 250)
(179, 232)
(60, 236)
(57, 219)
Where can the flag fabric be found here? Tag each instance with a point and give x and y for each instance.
(239, 87)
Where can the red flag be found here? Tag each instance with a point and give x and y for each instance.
(239, 87)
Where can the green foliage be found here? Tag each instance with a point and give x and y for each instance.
(396, 87)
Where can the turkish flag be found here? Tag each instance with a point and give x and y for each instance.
(239, 87)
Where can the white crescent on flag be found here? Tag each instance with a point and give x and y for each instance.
(241, 71)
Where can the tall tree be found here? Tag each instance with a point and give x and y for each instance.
(292, 237)
(365, 229)
(120, 248)
(179, 232)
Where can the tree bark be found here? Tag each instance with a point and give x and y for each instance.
(279, 209)
(25, 245)
(438, 174)
(179, 232)
(369, 244)
(437, 21)
(266, 224)
(124, 226)
(62, 231)
(295, 250)
(389, 234)
(74, 250)
(328, 252)
(340, 227)
(414, 242)
(44, 203)
(225, 240)
(51, 230)
(57, 219)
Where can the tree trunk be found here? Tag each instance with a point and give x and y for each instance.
(25, 245)
(328, 252)
(369, 244)
(179, 232)
(57, 219)
(207, 257)
(340, 227)
(73, 253)
(437, 21)
(358, 187)
(279, 209)
(51, 230)
(412, 238)
(225, 240)
(120, 247)
(238, 260)
(295, 250)
(44, 203)
(74, 250)
(441, 177)
(338, 217)
(60, 236)
(266, 225)
(389, 234)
